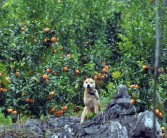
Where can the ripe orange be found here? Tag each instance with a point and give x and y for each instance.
(53, 39)
(157, 112)
(52, 93)
(5, 90)
(132, 101)
(64, 108)
(103, 77)
(46, 30)
(22, 28)
(28, 100)
(52, 110)
(14, 112)
(136, 86)
(77, 72)
(17, 74)
(105, 70)
(45, 40)
(10, 110)
(160, 115)
(99, 74)
(106, 67)
(145, 67)
(45, 77)
(1, 89)
(163, 129)
(132, 86)
(65, 69)
(95, 77)
(59, 113)
(54, 51)
(48, 70)
(68, 55)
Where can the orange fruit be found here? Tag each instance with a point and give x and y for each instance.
(68, 55)
(105, 70)
(132, 101)
(48, 70)
(14, 112)
(5, 90)
(59, 113)
(10, 110)
(65, 69)
(45, 77)
(22, 28)
(160, 115)
(145, 67)
(106, 67)
(163, 129)
(157, 112)
(103, 77)
(1, 89)
(52, 110)
(52, 93)
(99, 74)
(64, 108)
(54, 51)
(132, 86)
(28, 100)
(136, 86)
(46, 30)
(45, 40)
(53, 39)
(17, 74)
(77, 72)
(95, 77)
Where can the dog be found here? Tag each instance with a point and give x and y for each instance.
(91, 99)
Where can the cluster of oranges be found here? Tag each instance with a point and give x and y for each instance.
(11, 111)
(101, 75)
(158, 113)
(133, 100)
(49, 39)
(3, 89)
(30, 101)
(59, 112)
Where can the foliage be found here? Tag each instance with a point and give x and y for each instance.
(5, 121)
(69, 40)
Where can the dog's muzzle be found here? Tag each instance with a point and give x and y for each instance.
(88, 86)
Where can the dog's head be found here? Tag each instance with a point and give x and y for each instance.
(89, 83)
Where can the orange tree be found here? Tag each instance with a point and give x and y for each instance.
(137, 49)
(48, 47)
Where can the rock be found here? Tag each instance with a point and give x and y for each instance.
(144, 126)
(119, 119)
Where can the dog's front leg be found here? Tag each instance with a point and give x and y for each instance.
(97, 107)
(83, 116)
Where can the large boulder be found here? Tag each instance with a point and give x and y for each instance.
(118, 120)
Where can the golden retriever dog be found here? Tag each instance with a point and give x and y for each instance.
(91, 99)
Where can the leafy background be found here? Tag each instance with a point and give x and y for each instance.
(112, 41)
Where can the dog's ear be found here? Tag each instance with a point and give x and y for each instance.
(92, 77)
(85, 77)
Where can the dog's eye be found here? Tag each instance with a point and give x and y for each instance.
(91, 82)
(86, 82)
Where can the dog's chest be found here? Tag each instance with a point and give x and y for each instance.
(90, 99)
